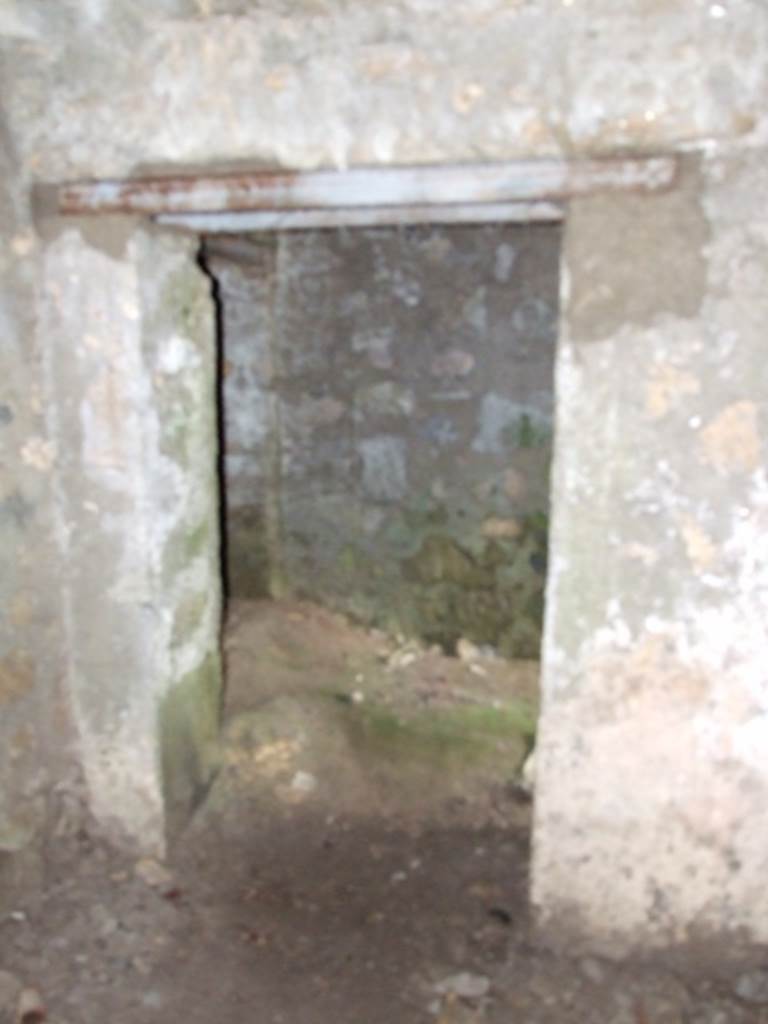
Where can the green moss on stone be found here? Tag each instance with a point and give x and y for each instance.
(186, 544)
(441, 560)
(185, 299)
(526, 432)
(249, 554)
(189, 614)
(189, 727)
(455, 735)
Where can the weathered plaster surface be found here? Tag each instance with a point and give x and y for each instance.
(381, 389)
(328, 83)
(652, 770)
(651, 261)
(128, 362)
(31, 711)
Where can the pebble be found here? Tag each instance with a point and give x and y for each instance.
(466, 651)
(528, 773)
(464, 985)
(404, 656)
(302, 785)
(752, 986)
(404, 660)
(30, 1007)
(140, 966)
(303, 782)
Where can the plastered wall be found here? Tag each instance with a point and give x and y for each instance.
(129, 369)
(652, 770)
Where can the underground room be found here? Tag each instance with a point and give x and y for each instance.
(386, 416)
(383, 512)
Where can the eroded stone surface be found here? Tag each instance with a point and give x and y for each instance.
(324, 84)
(127, 332)
(649, 784)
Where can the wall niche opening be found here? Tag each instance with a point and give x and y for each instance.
(386, 408)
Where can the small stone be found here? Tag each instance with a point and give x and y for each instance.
(141, 966)
(501, 529)
(752, 986)
(403, 657)
(528, 773)
(467, 651)
(30, 1008)
(464, 985)
(153, 873)
(303, 782)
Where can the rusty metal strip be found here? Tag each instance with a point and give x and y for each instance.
(239, 222)
(521, 181)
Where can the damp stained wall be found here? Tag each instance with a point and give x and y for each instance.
(388, 421)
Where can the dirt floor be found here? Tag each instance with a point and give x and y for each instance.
(361, 858)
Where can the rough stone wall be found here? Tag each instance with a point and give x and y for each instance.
(128, 366)
(246, 280)
(388, 403)
(652, 772)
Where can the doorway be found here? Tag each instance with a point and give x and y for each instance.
(386, 411)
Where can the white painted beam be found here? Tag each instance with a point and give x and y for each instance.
(522, 181)
(239, 222)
